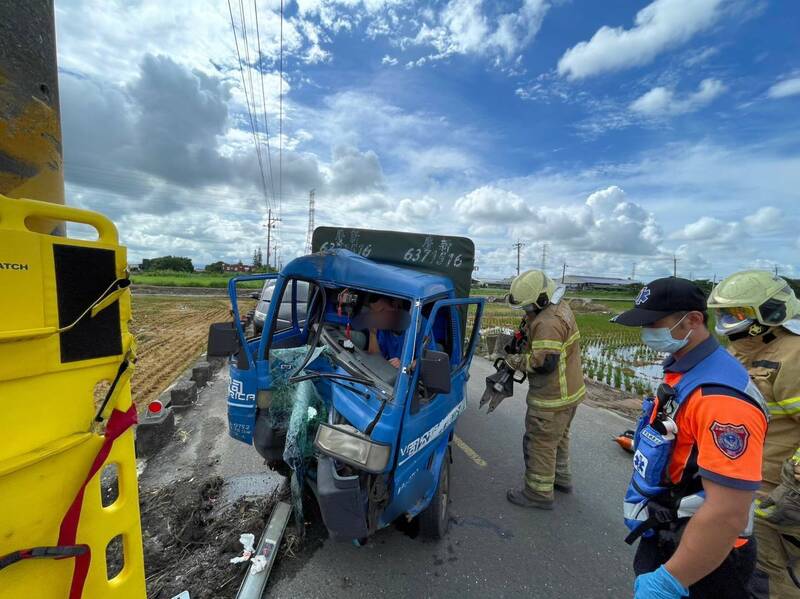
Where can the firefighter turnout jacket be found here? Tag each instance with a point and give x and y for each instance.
(554, 332)
(773, 361)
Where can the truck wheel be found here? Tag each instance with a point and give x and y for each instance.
(434, 520)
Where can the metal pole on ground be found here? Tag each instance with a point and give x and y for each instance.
(253, 585)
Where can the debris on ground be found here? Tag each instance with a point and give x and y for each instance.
(247, 540)
(191, 535)
(190, 538)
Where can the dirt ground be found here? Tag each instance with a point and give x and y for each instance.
(171, 332)
(621, 402)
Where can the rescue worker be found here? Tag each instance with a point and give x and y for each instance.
(552, 360)
(760, 315)
(697, 460)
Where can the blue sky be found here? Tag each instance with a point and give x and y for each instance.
(618, 133)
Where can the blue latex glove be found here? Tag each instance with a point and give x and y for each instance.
(658, 585)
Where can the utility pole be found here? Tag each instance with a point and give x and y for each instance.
(776, 270)
(563, 272)
(519, 245)
(30, 121)
(270, 223)
(633, 272)
(544, 256)
(674, 265)
(310, 231)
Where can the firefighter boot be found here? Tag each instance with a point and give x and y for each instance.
(521, 498)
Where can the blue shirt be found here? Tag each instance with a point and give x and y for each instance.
(390, 344)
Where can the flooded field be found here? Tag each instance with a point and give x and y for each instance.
(627, 366)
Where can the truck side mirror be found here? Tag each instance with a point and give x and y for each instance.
(435, 373)
(223, 340)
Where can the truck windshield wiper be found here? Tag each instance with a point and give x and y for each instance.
(312, 374)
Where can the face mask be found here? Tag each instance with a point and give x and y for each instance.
(661, 339)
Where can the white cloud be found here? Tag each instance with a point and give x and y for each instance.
(463, 28)
(661, 25)
(719, 234)
(705, 228)
(412, 211)
(390, 60)
(494, 205)
(765, 219)
(607, 221)
(785, 88)
(663, 101)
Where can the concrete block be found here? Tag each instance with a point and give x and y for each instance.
(216, 365)
(201, 373)
(154, 431)
(183, 394)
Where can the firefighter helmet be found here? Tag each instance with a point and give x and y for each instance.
(752, 300)
(533, 290)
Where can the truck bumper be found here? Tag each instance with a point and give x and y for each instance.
(341, 502)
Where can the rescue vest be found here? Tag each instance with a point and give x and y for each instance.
(652, 501)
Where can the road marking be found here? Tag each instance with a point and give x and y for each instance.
(471, 453)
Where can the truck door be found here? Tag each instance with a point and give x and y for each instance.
(430, 417)
(286, 324)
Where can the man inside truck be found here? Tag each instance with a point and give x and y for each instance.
(386, 315)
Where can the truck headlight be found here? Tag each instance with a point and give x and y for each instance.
(347, 444)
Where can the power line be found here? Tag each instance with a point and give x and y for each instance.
(280, 123)
(249, 111)
(264, 103)
(243, 20)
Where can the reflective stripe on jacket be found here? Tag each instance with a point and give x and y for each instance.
(554, 331)
(773, 362)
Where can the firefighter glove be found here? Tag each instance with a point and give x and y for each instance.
(782, 506)
(516, 362)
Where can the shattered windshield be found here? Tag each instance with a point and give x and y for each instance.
(365, 334)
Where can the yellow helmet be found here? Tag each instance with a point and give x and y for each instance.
(532, 290)
(752, 300)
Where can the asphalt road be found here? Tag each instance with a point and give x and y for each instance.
(494, 548)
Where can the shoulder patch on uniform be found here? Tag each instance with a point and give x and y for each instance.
(730, 439)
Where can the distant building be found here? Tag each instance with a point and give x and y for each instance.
(236, 267)
(134, 267)
(494, 283)
(578, 282)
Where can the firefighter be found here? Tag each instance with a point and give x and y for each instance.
(760, 315)
(697, 460)
(552, 360)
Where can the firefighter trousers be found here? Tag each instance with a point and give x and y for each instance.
(546, 450)
(776, 555)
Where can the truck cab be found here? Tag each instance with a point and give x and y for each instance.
(357, 393)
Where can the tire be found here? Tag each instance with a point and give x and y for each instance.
(435, 519)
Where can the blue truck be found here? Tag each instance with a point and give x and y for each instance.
(356, 395)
